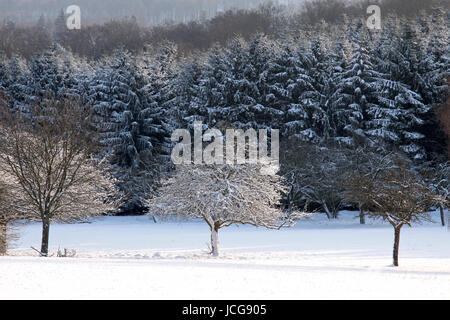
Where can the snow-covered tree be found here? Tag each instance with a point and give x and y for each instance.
(304, 116)
(191, 93)
(440, 183)
(45, 77)
(223, 195)
(161, 71)
(357, 97)
(49, 160)
(134, 127)
(20, 90)
(238, 91)
(315, 175)
(401, 112)
(238, 104)
(214, 81)
(399, 196)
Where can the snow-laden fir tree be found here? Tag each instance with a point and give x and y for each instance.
(402, 112)
(356, 98)
(261, 53)
(432, 71)
(20, 90)
(45, 77)
(237, 88)
(237, 92)
(160, 72)
(191, 93)
(307, 116)
(214, 78)
(134, 131)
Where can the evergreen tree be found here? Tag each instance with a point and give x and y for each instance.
(20, 90)
(402, 111)
(314, 92)
(191, 92)
(357, 97)
(133, 128)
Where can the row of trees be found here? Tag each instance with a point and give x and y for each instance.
(147, 12)
(384, 187)
(94, 41)
(48, 174)
(51, 171)
(347, 89)
(116, 29)
(351, 104)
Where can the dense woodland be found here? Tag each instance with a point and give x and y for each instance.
(340, 94)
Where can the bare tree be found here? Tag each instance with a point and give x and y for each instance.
(397, 195)
(315, 176)
(223, 195)
(49, 157)
(8, 216)
(364, 166)
(440, 183)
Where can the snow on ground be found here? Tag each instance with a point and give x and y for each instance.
(134, 258)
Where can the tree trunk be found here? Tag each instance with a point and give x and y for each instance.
(3, 241)
(362, 217)
(327, 211)
(441, 209)
(215, 240)
(45, 237)
(335, 213)
(396, 244)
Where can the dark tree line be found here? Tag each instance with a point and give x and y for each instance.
(96, 39)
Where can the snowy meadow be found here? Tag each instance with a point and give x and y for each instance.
(267, 153)
(135, 258)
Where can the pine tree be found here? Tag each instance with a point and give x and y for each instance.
(238, 104)
(214, 78)
(134, 131)
(191, 91)
(402, 110)
(20, 90)
(238, 88)
(357, 97)
(45, 76)
(161, 73)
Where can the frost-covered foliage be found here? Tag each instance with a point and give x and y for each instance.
(357, 88)
(335, 86)
(133, 124)
(223, 195)
(54, 74)
(315, 175)
(396, 194)
(47, 163)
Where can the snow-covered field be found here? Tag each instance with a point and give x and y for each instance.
(134, 258)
